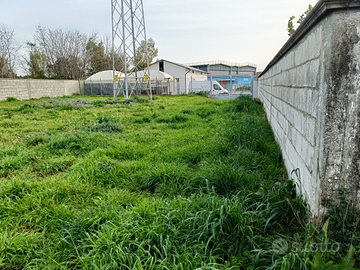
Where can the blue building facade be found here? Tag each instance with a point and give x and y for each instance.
(232, 76)
(235, 82)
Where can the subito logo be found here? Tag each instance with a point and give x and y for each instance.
(280, 246)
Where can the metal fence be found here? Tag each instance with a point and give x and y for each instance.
(158, 87)
(98, 88)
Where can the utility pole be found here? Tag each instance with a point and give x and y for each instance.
(128, 31)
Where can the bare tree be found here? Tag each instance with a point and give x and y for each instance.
(68, 54)
(65, 52)
(9, 50)
(108, 52)
(119, 62)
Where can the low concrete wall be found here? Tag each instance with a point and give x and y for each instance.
(27, 88)
(311, 94)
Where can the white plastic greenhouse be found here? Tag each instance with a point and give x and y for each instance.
(101, 83)
(103, 77)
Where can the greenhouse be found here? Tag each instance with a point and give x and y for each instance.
(101, 83)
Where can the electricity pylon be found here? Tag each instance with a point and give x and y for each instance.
(128, 32)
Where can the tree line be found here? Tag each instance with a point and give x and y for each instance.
(64, 54)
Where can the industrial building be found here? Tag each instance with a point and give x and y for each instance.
(172, 78)
(232, 76)
(183, 74)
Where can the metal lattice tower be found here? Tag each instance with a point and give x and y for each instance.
(128, 32)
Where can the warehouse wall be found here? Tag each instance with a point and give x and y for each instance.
(27, 88)
(311, 94)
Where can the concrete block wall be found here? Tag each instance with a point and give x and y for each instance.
(289, 94)
(23, 89)
(311, 94)
(14, 88)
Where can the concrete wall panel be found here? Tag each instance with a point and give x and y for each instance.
(27, 89)
(311, 95)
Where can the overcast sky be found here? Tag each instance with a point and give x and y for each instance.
(184, 30)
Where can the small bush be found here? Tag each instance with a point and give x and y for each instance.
(11, 99)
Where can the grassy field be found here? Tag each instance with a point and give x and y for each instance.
(179, 182)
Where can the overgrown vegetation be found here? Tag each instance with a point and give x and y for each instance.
(344, 223)
(180, 182)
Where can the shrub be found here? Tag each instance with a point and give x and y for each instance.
(11, 99)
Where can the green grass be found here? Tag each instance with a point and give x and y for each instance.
(180, 182)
